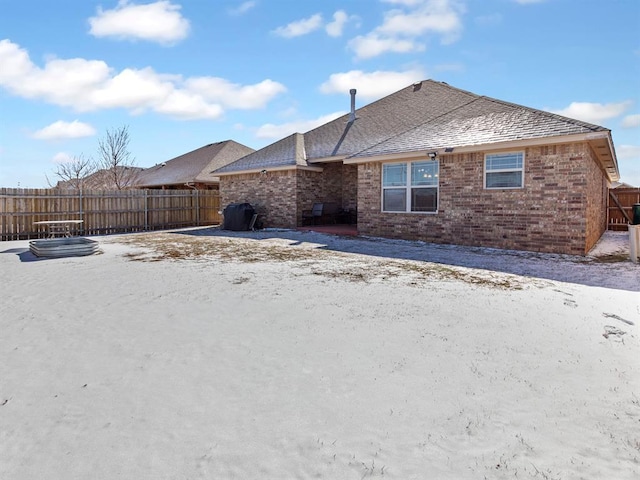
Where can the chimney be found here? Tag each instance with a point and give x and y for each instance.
(352, 115)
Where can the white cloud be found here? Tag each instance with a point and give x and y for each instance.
(434, 17)
(593, 112)
(90, 85)
(626, 152)
(156, 22)
(629, 163)
(243, 8)
(62, 157)
(372, 45)
(60, 130)
(300, 27)
(283, 130)
(405, 29)
(372, 85)
(340, 19)
(184, 105)
(233, 95)
(631, 121)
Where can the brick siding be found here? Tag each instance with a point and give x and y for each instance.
(561, 209)
(281, 196)
(273, 195)
(558, 210)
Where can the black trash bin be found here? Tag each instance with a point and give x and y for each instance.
(635, 214)
(237, 216)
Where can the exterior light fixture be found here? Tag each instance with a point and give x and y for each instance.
(432, 155)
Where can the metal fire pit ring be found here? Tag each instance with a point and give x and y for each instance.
(63, 247)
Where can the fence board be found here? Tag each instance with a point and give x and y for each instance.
(619, 206)
(105, 211)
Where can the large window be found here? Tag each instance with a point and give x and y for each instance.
(410, 187)
(504, 170)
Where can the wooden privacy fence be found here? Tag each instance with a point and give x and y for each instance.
(619, 211)
(105, 211)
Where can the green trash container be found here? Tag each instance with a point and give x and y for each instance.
(635, 214)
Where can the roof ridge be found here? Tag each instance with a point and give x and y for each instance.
(397, 92)
(415, 127)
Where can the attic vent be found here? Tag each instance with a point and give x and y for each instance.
(417, 86)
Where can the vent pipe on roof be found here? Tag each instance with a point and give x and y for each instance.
(352, 115)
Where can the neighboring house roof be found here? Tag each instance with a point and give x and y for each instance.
(621, 185)
(103, 179)
(430, 115)
(284, 153)
(195, 166)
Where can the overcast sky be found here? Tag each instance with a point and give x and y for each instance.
(182, 74)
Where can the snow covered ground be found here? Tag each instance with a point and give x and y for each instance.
(203, 354)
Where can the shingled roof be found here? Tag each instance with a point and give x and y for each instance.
(195, 166)
(427, 115)
(482, 121)
(287, 152)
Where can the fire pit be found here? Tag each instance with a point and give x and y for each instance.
(63, 247)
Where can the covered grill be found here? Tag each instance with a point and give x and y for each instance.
(238, 217)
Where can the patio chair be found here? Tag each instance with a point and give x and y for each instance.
(330, 213)
(312, 216)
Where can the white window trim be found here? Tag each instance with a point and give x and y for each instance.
(408, 187)
(484, 168)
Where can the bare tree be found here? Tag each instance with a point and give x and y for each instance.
(116, 160)
(73, 174)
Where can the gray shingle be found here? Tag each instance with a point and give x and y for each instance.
(425, 115)
(286, 152)
(385, 118)
(194, 166)
(482, 121)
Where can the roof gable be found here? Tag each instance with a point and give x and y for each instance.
(288, 152)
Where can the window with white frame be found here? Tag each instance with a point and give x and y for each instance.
(504, 170)
(410, 187)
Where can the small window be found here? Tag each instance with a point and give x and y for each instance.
(504, 170)
(410, 187)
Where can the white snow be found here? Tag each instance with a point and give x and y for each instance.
(203, 354)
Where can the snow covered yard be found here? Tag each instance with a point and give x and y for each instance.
(284, 355)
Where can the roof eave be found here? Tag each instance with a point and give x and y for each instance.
(600, 142)
(270, 169)
(335, 158)
(602, 145)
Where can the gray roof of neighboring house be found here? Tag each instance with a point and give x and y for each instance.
(425, 115)
(194, 166)
(286, 152)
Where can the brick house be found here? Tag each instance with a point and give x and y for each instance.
(193, 169)
(435, 163)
